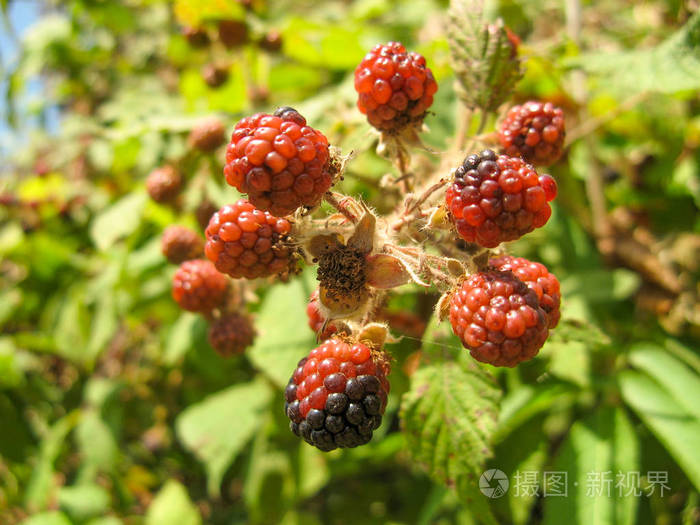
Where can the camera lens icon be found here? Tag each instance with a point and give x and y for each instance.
(493, 483)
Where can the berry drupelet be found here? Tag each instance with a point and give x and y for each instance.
(198, 287)
(279, 161)
(337, 395)
(498, 198)
(536, 276)
(498, 318)
(243, 241)
(395, 88)
(180, 244)
(231, 334)
(534, 131)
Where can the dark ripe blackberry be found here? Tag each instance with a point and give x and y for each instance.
(337, 395)
(497, 198)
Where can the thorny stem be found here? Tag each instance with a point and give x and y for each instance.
(339, 202)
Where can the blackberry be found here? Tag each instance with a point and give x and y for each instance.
(279, 161)
(198, 287)
(494, 199)
(164, 184)
(180, 244)
(395, 88)
(231, 334)
(538, 279)
(207, 135)
(243, 241)
(534, 131)
(337, 395)
(498, 318)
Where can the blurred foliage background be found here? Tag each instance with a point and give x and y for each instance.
(115, 410)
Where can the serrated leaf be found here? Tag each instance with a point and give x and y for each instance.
(449, 415)
(283, 337)
(672, 66)
(117, 221)
(482, 56)
(676, 428)
(216, 429)
(596, 449)
(172, 505)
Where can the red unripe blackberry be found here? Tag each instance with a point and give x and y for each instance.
(279, 161)
(231, 334)
(233, 33)
(498, 198)
(243, 241)
(207, 135)
(395, 88)
(316, 318)
(536, 276)
(180, 244)
(164, 184)
(198, 287)
(337, 395)
(534, 131)
(498, 318)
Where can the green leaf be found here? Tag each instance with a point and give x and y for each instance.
(601, 285)
(283, 334)
(84, 501)
(117, 221)
(676, 428)
(449, 416)
(671, 67)
(597, 449)
(676, 378)
(172, 505)
(216, 429)
(96, 442)
(48, 518)
(181, 337)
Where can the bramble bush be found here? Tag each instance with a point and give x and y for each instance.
(275, 266)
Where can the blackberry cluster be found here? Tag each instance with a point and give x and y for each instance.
(198, 287)
(243, 241)
(164, 184)
(196, 36)
(215, 75)
(395, 88)
(207, 135)
(279, 161)
(316, 319)
(180, 244)
(498, 318)
(231, 334)
(534, 131)
(337, 395)
(536, 276)
(498, 198)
